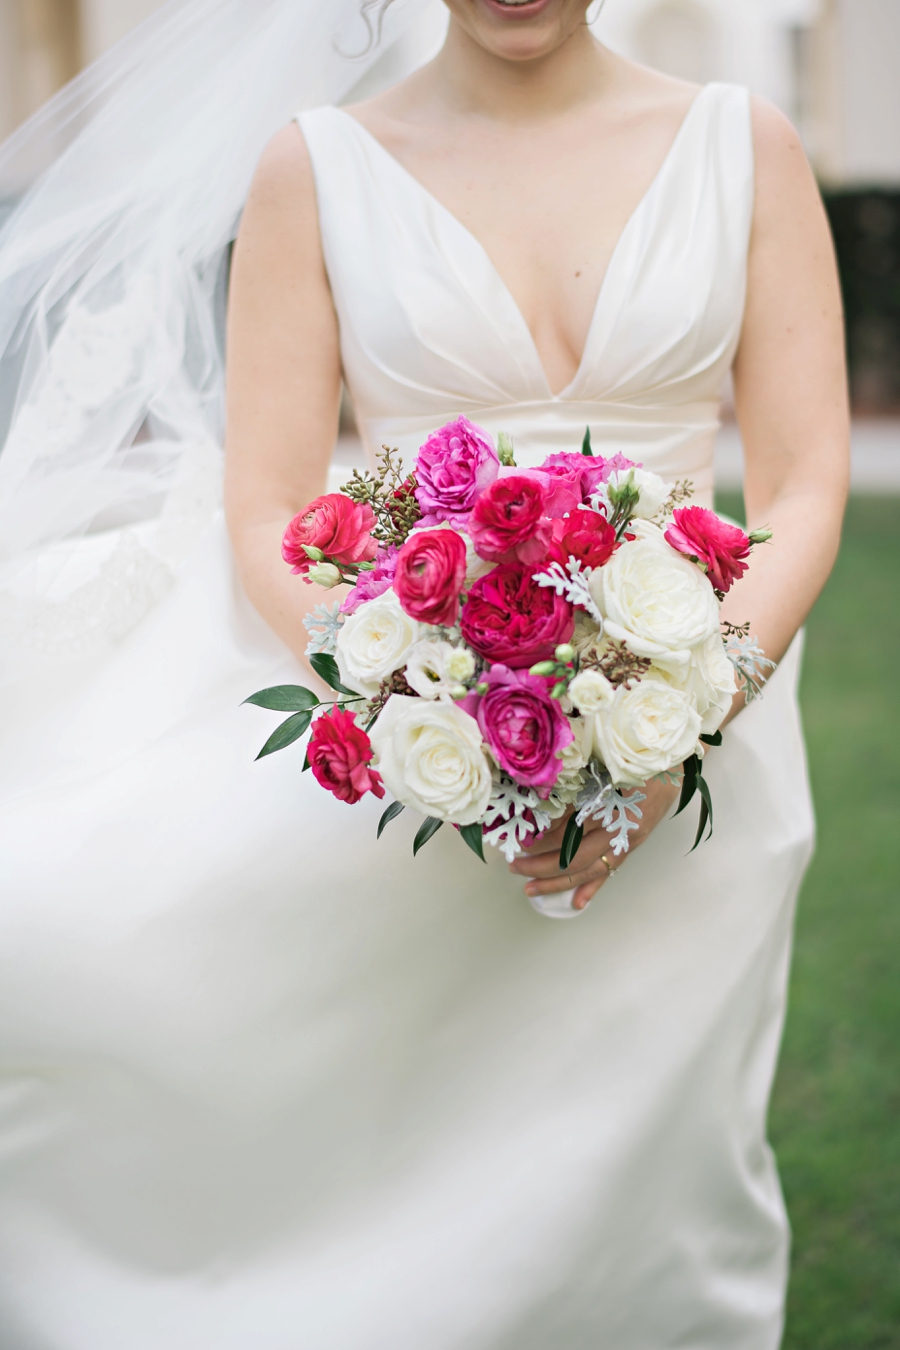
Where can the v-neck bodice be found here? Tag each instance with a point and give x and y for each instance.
(430, 330)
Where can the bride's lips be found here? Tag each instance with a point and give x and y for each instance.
(529, 10)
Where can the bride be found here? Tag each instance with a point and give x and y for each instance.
(267, 1082)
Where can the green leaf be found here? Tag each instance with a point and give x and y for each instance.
(474, 837)
(714, 739)
(706, 811)
(426, 832)
(285, 698)
(306, 763)
(390, 814)
(571, 843)
(287, 733)
(326, 667)
(689, 782)
(586, 443)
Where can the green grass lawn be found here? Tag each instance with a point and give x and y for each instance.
(835, 1120)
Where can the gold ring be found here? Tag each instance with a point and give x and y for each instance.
(611, 871)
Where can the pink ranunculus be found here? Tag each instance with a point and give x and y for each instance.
(369, 585)
(340, 754)
(509, 521)
(337, 526)
(585, 535)
(453, 468)
(524, 727)
(508, 618)
(431, 572)
(719, 548)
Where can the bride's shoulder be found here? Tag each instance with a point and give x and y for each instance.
(785, 182)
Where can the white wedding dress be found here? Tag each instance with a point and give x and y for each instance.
(269, 1084)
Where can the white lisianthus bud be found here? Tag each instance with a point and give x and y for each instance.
(374, 642)
(653, 491)
(314, 554)
(648, 729)
(325, 574)
(432, 759)
(458, 691)
(591, 691)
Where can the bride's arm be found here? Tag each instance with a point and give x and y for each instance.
(790, 394)
(284, 380)
(791, 398)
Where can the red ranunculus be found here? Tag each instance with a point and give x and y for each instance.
(509, 520)
(719, 548)
(334, 524)
(431, 571)
(585, 535)
(509, 619)
(523, 726)
(339, 755)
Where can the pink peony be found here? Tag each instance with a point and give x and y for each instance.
(718, 548)
(509, 619)
(523, 726)
(585, 535)
(431, 572)
(369, 585)
(338, 527)
(453, 468)
(339, 755)
(509, 520)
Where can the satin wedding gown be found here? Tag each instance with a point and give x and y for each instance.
(269, 1083)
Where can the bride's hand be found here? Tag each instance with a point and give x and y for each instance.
(587, 871)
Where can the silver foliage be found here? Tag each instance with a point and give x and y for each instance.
(750, 663)
(323, 626)
(572, 584)
(506, 810)
(600, 800)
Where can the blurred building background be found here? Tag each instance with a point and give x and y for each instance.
(832, 65)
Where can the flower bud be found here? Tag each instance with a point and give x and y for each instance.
(505, 450)
(565, 653)
(458, 691)
(314, 554)
(559, 690)
(759, 536)
(482, 688)
(324, 574)
(543, 668)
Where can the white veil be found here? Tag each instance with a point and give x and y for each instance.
(123, 197)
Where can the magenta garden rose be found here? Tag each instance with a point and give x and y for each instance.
(453, 468)
(510, 522)
(431, 569)
(718, 547)
(509, 619)
(524, 728)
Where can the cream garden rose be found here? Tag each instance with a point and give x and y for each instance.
(431, 757)
(654, 600)
(648, 729)
(591, 691)
(374, 642)
(708, 680)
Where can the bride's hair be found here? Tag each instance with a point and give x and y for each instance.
(378, 8)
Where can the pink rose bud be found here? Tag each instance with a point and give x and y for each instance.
(719, 548)
(339, 755)
(335, 528)
(431, 572)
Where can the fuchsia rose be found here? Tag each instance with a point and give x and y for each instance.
(508, 618)
(369, 585)
(334, 524)
(566, 477)
(524, 727)
(339, 754)
(431, 572)
(510, 522)
(585, 535)
(453, 468)
(719, 548)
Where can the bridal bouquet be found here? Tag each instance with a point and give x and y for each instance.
(517, 643)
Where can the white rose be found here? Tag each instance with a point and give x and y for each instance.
(708, 680)
(374, 642)
(435, 669)
(648, 729)
(591, 691)
(654, 600)
(431, 758)
(654, 491)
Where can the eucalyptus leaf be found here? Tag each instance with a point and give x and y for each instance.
(285, 698)
(474, 837)
(689, 782)
(586, 443)
(390, 814)
(714, 739)
(287, 733)
(426, 831)
(326, 667)
(571, 843)
(706, 811)
(306, 763)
